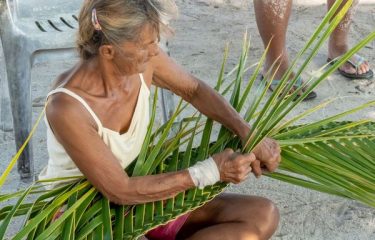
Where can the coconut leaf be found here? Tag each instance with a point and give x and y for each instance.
(326, 155)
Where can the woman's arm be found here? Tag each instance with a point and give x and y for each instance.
(75, 129)
(168, 74)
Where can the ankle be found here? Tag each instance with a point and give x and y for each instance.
(279, 67)
(337, 48)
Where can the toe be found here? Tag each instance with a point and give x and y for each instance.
(348, 68)
(367, 66)
(363, 69)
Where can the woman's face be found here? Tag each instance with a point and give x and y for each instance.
(132, 57)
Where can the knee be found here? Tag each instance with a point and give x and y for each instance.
(268, 218)
(262, 218)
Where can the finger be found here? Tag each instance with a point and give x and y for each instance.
(236, 179)
(272, 165)
(245, 169)
(256, 168)
(229, 151)
(238, 157)
(246, 173)
(249, 170)
(232, 176)
(279, 159)
(250, 157)
(278, 148)
(238, 175)
(245, 159)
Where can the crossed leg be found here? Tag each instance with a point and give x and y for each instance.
(232, 216)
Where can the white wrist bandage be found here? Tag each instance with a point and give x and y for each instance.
(204, 173)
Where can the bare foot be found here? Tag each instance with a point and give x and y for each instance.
(336, 50)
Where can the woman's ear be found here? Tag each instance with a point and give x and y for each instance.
(107, 51)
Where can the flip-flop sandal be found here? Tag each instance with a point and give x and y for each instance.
(358, 60)
(297, 84)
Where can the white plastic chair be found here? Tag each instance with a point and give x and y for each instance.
(29, 27)
(44, 28)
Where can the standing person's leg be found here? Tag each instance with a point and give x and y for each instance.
(338, 45)
(272, 17)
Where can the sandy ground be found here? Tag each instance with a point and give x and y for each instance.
(202, 30)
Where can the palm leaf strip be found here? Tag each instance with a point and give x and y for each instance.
(327, 156)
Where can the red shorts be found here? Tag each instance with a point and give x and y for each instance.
(165, 232)
(168, 231)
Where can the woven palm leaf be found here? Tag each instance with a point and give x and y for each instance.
(328, 156)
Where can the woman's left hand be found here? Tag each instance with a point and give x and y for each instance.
(267, 154)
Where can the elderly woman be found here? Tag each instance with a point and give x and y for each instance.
(99, 111)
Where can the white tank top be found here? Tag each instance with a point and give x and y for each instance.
(125, 147)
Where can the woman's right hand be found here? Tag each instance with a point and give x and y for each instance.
(234, 167)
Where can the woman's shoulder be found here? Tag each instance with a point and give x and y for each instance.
(64, 102)
(58, 100)
(65, 77)
(64, 112)
(61, 104)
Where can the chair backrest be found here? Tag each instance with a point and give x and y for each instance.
(38, 16)
(42, 25)
(40, 9)
(45, 15)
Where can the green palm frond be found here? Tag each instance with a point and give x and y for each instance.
(327, 155)
(335, 158)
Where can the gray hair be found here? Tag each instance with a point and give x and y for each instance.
(120, 20)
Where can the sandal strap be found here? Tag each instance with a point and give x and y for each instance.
(275, 82)
(356, 61)
(297, 84)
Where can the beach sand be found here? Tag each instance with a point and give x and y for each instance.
(201, 32)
